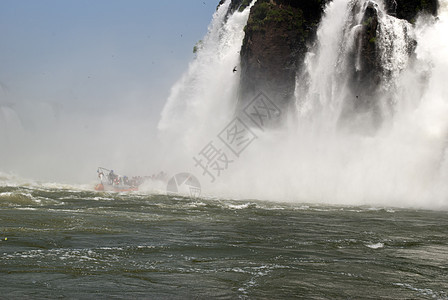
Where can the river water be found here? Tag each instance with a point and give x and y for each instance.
(75, 243)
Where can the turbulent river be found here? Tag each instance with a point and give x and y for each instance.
(72, 242)
(75, 243)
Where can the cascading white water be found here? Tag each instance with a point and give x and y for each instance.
(403, 162)
(324, 85)
(400, 163)
(394, 40)
(204, 99)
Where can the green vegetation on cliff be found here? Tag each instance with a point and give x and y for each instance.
(244, 4)
(267, 13)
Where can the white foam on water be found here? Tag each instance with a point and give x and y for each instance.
(375, 246)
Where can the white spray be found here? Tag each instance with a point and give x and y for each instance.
(204, 99)
(401, 163)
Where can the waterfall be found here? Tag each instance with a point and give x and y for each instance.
(205, 97)
(401, 158)
(335, 82)
(370, 125)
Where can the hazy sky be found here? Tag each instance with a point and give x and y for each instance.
(83, 82)
(96, 53)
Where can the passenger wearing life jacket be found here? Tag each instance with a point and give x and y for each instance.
(112, 177)
(101, 176)
(125, 180)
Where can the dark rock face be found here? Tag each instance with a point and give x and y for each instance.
(409, 9)
(276, 39)
(366, 69)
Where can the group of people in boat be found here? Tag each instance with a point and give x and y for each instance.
(116, 180)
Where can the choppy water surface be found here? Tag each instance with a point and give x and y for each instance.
(79, 244)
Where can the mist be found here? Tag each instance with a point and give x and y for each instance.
(326, 152)
(134, 98)
(83, 85)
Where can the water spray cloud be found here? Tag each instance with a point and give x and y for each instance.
(332, 150)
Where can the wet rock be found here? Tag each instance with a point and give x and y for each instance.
(277, 36)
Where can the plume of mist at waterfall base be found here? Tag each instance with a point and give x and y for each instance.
(326, 152)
